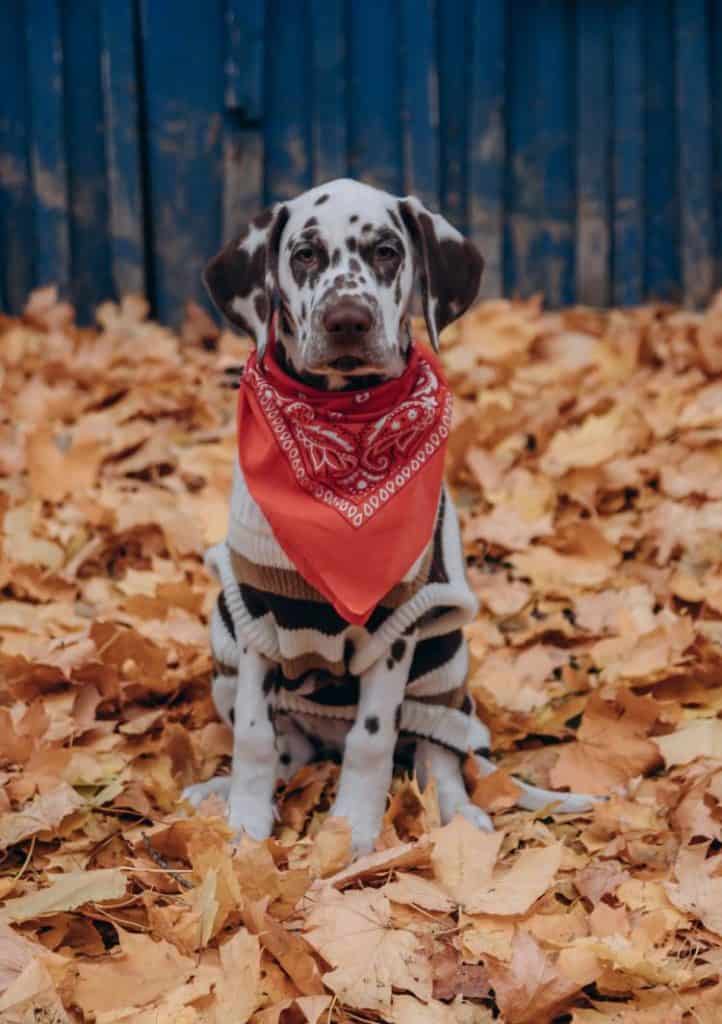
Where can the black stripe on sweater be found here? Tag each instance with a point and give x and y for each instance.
(292, 612)
(226, 614)
(299, 613)
(433, 653)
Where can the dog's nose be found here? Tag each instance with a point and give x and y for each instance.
(347, 321)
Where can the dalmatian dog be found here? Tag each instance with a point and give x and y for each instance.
(334, 270)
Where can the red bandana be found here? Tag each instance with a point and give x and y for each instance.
(349, 481)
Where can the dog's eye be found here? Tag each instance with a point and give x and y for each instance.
(385, 252)
(304, 254)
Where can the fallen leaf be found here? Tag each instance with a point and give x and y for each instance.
(353, 933)
(42, 814)
(530, 990)
(701, 738)
(71, 890)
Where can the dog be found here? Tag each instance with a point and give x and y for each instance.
(326, 281)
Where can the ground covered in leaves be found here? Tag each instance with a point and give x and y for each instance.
(586, 460)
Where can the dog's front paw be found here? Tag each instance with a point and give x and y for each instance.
(251, 817)
(220, 786)
(473, 814)
(364, 828)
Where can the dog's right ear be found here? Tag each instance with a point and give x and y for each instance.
(243, 276)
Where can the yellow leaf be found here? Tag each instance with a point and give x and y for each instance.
(353, 932)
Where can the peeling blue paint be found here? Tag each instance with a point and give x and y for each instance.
(577, 141)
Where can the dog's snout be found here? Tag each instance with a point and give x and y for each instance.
(347, 321)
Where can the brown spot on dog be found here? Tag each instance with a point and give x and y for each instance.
(235, 273)
(394, 219)
(398, 649)
(335, 257)
(351, 243)
(321, 199)
(372, 724)
(311, 222)
(450, 268)
(260, 304)
(263, 219)
(352, 219)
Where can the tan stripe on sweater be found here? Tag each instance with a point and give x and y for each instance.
(288, 583)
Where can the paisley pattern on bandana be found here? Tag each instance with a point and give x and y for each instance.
(349, 481)
(356, 467)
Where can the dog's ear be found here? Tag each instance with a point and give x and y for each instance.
(449, 266)
(242, 277)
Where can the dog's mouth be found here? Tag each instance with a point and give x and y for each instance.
(348, 363)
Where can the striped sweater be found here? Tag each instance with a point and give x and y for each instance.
(266, 605)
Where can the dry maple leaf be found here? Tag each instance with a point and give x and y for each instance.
(141, 972)
(370, 958)
(697, 890)
(69, 891)
(42, 814)
(701, 738)
(32, 997)
(530, 990)
(464, 859)
(594, 765)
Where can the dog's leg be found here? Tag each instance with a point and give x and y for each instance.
(295, 749)
(255, 758)
(369, 750)
(244, 706)
(223, 691)
(445, 767)
(219, 785)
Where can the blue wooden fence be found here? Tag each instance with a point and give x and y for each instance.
(578, 142)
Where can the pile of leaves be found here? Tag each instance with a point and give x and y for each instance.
(585, 460)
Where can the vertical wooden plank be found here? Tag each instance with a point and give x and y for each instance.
(183, 60)
(375, 153)
(245, 32)
(327, 21)
(715, 38)
(120, 73)
(594, 171)
(539, 252)
(51, 235)
(287, 120)
(243, 194)
(454, 54)
(661, 250)
(16, 211)
(692, 30)
(486, 144)
(243, 149)
(628, 154)
(420, 101)
(87, 182)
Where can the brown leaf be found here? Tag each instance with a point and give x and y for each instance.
(42, 814)
(352, 931)
(530, 990)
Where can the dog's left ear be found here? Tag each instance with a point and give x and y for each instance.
(242, 278)
(449, 266)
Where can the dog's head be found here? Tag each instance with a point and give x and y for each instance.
(339, 264)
